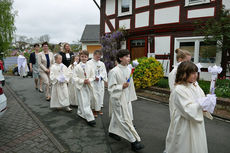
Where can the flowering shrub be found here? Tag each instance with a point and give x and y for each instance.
(148, 72)
(110, 46)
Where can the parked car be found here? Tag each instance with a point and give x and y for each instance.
(3, 99)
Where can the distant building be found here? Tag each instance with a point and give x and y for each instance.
(157, 27)
(90, 39)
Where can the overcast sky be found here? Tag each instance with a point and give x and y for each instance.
(63, 20)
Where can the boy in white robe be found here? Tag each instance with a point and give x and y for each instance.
(182, 55)
(22, 65)
(186, 131)
(71, 85)
(99, 81)
(121, 95)
(59, 77)
(83, 77)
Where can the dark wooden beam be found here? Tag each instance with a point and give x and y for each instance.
(97, 4)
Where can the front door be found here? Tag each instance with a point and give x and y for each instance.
(138, 48)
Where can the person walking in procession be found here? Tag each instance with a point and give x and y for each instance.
(34, 68)
(66, 54)
(83, 77)
(98, 83)
(22, 65)
(45, 60)
(122, 94)
(186, 133)
(59, 77)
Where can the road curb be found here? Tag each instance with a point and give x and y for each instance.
(36, 119)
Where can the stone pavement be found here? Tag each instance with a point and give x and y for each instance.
(21, 131)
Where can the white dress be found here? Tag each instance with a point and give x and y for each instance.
(84, 92)
(120, 104)
(186, 133)
(22, 66)
(172, 77)
(71, 88)
(98, 86)
(59, 93)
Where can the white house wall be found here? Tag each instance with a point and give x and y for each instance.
(107, 30)
(166, 65)
(167, 15)
(199, 13)
(110, 7)
(113, 22)
(124, 23)
(162, 1)
(162, 45)
(227, 4)
(141, 3)
(142, 19)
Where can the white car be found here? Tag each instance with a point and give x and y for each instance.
(3, 99)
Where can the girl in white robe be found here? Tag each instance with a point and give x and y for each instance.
(83, 77)
(121, 96)
(98, 83)
(59, 77)
(182, 55)
(186, 132)
(71, 85)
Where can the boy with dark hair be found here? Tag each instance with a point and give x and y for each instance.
(122, 94)
(83, 76)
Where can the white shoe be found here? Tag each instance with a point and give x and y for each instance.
(68, 109)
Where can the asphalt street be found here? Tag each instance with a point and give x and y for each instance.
(151, 120)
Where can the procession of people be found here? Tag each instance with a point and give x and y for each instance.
(72, 80)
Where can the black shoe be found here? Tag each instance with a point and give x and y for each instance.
(135, 146)
(114, 136)
(92, 123)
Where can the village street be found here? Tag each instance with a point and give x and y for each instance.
(58, 131)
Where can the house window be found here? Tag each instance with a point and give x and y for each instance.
(124, 7)
(195, 2)
(206, 54)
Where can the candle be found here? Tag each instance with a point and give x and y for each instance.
(132, 67)
(215, 70)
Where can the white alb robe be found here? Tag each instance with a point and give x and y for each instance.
(172, 77)
(59, 93)
(22, 66)
(84, 91)
(120, 103)
(71, 88)
(186, 132)
(98, 86)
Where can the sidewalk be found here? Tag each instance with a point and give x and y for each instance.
(22, 132)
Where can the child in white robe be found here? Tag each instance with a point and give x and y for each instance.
(71, 85)
(22, 65)
(59, 77)
(121, 95)
(187, 131)
(83, 77)
(182, 55)
(98, 83)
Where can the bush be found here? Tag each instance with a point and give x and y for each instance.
(148, 72)
(162, 83)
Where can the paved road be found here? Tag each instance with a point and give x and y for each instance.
(151, 120)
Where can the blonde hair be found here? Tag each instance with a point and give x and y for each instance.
(182, 54)
(56, 56)
(64, 50)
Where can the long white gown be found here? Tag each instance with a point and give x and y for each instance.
(71, 88)
(120, 104)
(186, 133)
(84, 92)
(22, 66)
(98, 86)
(172, 77)
(59, 93)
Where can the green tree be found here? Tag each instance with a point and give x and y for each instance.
(7, 27)
(217, 30)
